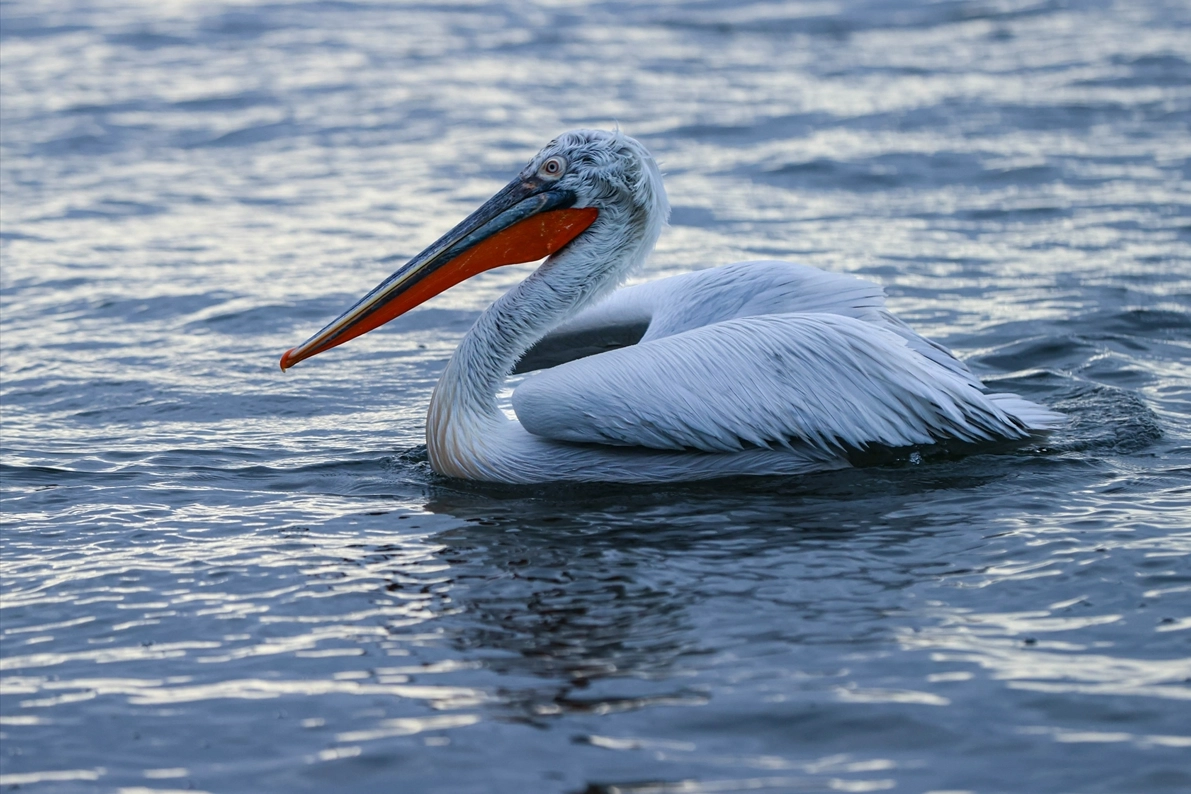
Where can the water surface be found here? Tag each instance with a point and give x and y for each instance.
(222, 578)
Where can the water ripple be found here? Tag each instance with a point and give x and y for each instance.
(215, 577)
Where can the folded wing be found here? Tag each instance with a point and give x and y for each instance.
(665, 307)
(830, 381)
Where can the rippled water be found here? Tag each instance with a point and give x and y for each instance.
(220, 577)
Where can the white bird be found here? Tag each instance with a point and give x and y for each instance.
(750, 368)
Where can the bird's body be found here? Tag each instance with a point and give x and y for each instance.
(750, 368)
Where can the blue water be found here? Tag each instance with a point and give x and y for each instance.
(221, 578)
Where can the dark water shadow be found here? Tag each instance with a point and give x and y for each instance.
(583, 598)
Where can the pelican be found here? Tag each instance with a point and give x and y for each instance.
(752, 368)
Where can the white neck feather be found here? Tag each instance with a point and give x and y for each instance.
(463, 411)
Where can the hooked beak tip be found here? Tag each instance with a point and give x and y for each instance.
(287, 359)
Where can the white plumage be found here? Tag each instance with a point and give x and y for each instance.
(751, 368)
(774, 380)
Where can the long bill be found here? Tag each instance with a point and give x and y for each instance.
(524, 222)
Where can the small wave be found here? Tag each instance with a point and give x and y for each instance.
(257, 133)
(1106, 419)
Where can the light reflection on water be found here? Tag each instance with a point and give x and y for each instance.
(221, 578)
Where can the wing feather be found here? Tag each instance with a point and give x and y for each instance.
(656, 309)
(831, 381)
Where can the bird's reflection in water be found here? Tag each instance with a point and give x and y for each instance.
(567, 594)
(588, 598)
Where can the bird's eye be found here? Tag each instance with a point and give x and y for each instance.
(553, 167)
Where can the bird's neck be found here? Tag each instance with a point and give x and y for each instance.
(464, 405)
(490, 350)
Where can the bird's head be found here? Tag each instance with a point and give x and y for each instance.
(608, 171)
(578, 178)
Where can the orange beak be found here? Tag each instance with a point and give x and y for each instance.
(524, 222)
